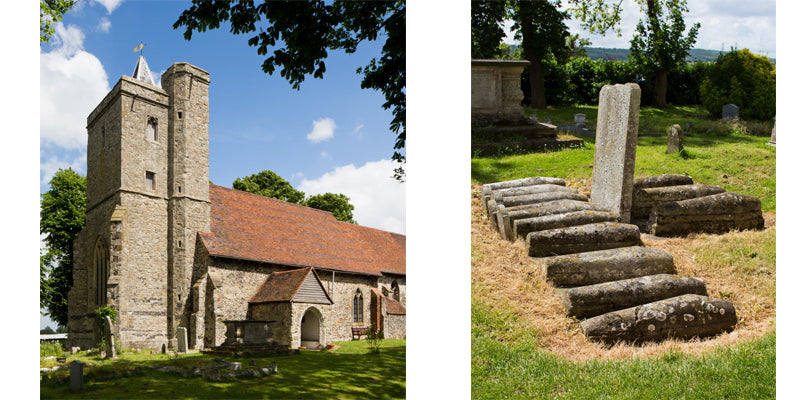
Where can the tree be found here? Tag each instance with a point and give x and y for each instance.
(303, 32)
(338, 204)
(486, 28)
(577, 45)
(269, 184)
(659, 45)
(50, 12)
(540, 25)
(742, 78)
(62, 216)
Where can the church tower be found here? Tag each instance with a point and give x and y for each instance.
(147, 178)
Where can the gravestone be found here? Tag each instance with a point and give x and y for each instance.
(74, 350)
(109, 340)
(76, 375)
(272, 367)
(674, 139)
(163, 348)
(182, 343)
(615, 148)
(730, 111)
(772, 137)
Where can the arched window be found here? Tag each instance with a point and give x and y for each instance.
(358, 307)
(101, 268)
(152, 128)
(395, 290)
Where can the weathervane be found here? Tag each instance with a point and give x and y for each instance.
(140, 48)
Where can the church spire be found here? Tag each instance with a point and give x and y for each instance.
(142, 72)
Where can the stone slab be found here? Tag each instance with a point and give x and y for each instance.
(524, 226)
(537, 198)
(589, 301)
(685, 316)
(498, 194)
(182, 340)
(531, 181)
(615, 148)
(718, 213)
(582, 238)
(594, 267)
(662, 180)
(674, 142)
(645, 199)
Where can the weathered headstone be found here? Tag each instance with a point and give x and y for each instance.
(615, 148)
(182, 343)
(272, 367)
(730, 111)
(109, 340)
(674, 139)
(76, 375)
(772, 137)
(74, 350)
(163, 348)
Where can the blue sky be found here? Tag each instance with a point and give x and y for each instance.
(330, 135)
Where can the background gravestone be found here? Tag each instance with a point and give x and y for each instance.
(730, 111)
(76, 375)
(674, 139)
(615, 148)
(182, 343)
(109, 341)
(772, 137)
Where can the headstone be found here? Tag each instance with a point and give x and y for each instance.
(76, 375)
(730, 111)
(272, 367)
(182, 343)
(163, 348)
(580, 118)
(110, 342)
(74, 350)
(235, 366)
(772, 137)
(674, 139)
(615, 148)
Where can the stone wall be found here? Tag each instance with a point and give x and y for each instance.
(394, 326)
(339, 319)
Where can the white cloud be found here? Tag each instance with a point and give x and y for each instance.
(48, 168)
(324, 155)
(72, 82)
(104, 25)
(322, 130)
(110, 5)
(380, 201)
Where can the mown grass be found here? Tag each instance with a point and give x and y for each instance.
(524, 346)
(516, 368)
(739, 162)
(350, 371)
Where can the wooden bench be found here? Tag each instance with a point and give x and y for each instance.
(357, 332)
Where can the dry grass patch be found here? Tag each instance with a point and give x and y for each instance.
(737, 266)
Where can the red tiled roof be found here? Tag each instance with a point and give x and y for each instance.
(394, 307)
(251, 227)
(282, 286)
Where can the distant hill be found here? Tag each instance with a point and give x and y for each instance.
(694, 55)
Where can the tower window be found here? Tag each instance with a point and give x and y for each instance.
(150, 180)
(152, 128)
(180, 114)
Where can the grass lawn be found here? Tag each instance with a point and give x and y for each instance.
(523, 344)
(349, 372)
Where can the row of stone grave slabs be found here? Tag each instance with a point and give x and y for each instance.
(592, 252)
(497, 117)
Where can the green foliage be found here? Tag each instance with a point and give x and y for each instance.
(744, 79)
(299, 34)
(659, 45)
(103, 312)
(597, 16)
(50, 348)
(62, 216)
(338, 204)
(51, 12)
(374, 340)
(269, 184)
(47, 331)
(486, 32)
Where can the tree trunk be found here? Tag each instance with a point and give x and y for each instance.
(660, 83)
(537, 100)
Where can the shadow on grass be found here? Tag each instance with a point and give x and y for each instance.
(305, 375)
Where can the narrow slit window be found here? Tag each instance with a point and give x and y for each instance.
(152, 129)
(150, 180)
(180, 114)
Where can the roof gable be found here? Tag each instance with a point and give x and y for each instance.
(251, 227)
(299, 285)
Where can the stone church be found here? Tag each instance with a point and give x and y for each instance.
(167, 249)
